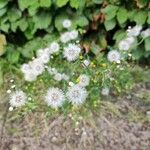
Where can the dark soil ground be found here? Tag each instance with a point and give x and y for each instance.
(121, 124)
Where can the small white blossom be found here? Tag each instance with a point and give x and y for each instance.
(84, 80)
(66, 23)
(8, 91)
(30, 76)
(25, 68)
(54, 47)
(86, 63)
(65, 77)
(37, 67)
(39, 52)
(11, 108)
(74, 34)
(124, 45)
(135, 31)
(65, 37)
(145, 33)
(76, 94)
(44, 58)
(55, 97)
(17, 99)
(71, 84)
(71, 52)
(114, 56)
(58, 77)
(105, 91)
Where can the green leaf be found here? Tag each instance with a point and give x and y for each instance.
(45, 3)
(110, 11)
(14, 26)
(140, 17)
(119, 35)
(3, 3)
(131, 14)
(81, 21)
(122, 15)
(23, 24)
(23, 4)
(5, 27)
(42, 20)
(148, 20)
(110, 24)
(3, 11)
(61, 3)
(13, 14)
(75, 3)
(33, 9)
(147, 44)
(98, 1)
(13, 56)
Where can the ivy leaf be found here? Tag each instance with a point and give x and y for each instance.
(98, 1)
(110, 11)
(140, 17)
(13, 14)
(147, 44)
(42, 20)
(122, 15)
(23, 24)
(13, 56)
(110, 24)
(81, 21)
(3, 11)
(75, 3)
(3, 3)
(45, 3)
(61, 3)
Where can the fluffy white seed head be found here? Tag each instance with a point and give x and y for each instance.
(71, 52)
(58, 77)
(135, 31)
(54, 97)
(66, 23)
(114, 56)
(76, 94)
(65, 37)
(105, 91)
(25, 68)
(30, 76)
(84, 80)
(54, 47)
(74, 34)
(17, 99)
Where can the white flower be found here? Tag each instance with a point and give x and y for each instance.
(124, 45)
(25, 68)
(71, 84)
(58, 77)
(130, 40)
(65, 37)
(73, 34)
(8, 91)
(76, 94)
(30, 76)
(17, 99)
(54, 47)
(105, 91)
(114, 56)
(37, 67)
(66, 23)
(55, 97)
(44, 58)
(145, 33)
(86, 63)
(71, 52)
(84, 80)
(135, 31)
(11, 108)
